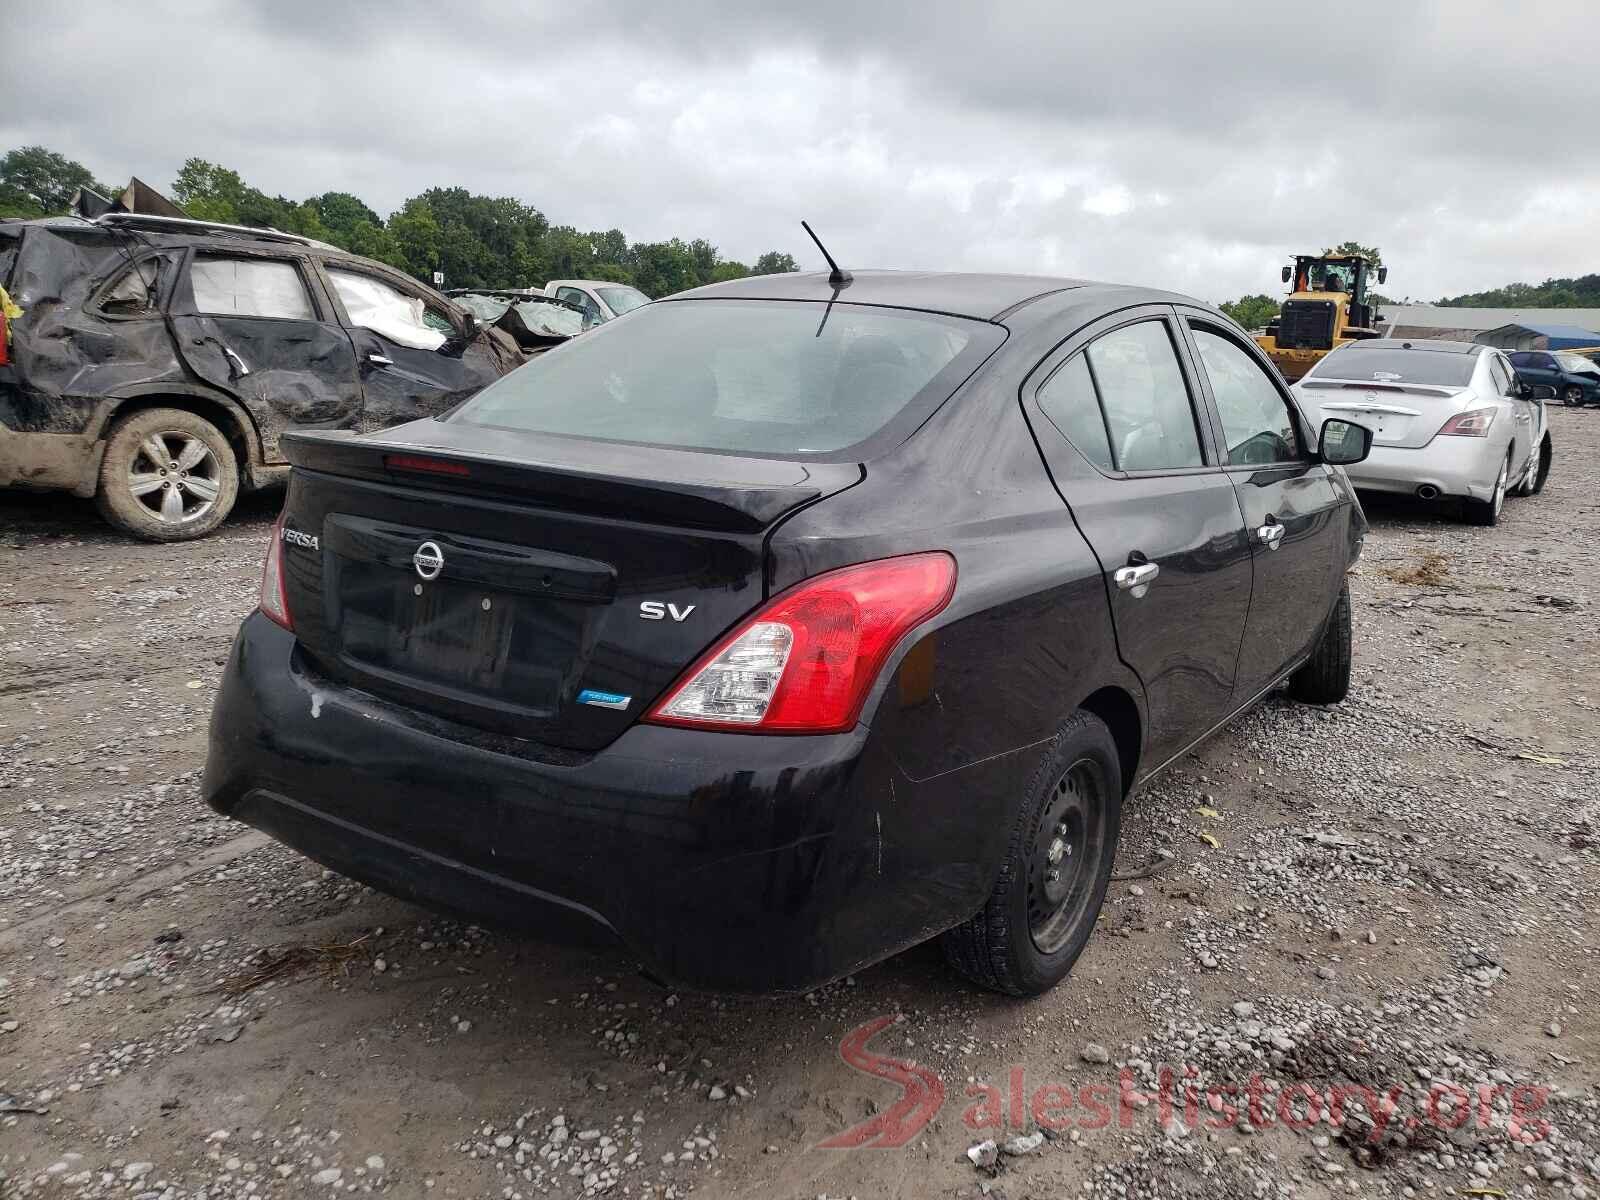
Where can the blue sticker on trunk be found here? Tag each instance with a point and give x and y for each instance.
(603, 699)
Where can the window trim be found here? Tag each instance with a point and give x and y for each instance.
(1192, 318)
(182, 302)
(1079, 340)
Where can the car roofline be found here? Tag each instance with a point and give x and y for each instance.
(190, 225)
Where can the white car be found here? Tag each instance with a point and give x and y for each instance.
(601, 299)
(1449, 420)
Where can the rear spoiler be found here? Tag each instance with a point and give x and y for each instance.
(611, 479)
(1424, 389)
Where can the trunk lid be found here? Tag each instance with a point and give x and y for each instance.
(1405, 416)
(543, 587)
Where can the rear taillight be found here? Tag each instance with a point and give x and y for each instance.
(1472, 423)
(274, 601)
(804, 662)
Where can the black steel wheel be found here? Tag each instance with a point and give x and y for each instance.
(1066, 845)
(1053, 880)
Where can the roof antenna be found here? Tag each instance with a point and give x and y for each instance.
(837, 278)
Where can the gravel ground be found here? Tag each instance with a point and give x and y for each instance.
(1375, 904)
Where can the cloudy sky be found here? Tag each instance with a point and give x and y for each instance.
(1143, 142)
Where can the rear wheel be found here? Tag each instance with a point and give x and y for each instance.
(1487, 512)
(1572, 396)
(1530, 478)
(1547, 455)
(1324, 678)
(1058, 865)
(167, 476)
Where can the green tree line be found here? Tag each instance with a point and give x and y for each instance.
(1582, 292)
(477, 241)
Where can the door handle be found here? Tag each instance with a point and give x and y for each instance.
(380, 360)
(236, 365)
(1136, 578)
(1270, 534)
(239, 369)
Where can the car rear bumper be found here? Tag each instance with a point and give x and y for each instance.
(1455, 466)
(727, 862)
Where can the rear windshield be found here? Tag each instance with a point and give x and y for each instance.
(1388, 365)
(760, 377)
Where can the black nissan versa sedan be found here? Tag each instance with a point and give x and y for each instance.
(782, 625)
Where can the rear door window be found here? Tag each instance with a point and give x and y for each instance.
(250, 287)
(1256, 421)
(1148, 410)
(1069, 400)
(763, 377)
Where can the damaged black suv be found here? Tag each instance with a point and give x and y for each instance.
(157, 360)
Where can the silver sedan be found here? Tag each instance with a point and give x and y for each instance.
(1449, 420)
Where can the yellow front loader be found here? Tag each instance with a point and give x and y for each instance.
(1329, 305)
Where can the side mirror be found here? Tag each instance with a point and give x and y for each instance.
(1383, 274)
(1343, 443)
(470, 328)
(1287, 271)
(1537, 391)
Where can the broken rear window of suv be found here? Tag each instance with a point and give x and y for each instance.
(755, 377)
(134, 292)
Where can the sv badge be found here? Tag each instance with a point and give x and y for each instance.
(655, 610)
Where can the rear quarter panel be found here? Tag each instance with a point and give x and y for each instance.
(1027, 634)
(965, 711)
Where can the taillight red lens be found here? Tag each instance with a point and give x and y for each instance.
(1472, 423)
(5, 341)
(274, 602)
(805, 661)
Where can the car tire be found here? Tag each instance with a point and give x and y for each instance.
(1529, 480)
(1487, 512)
(1324, 678)
(184, 495)
(1572, 396)
(1040, 914)
(1547, 456)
